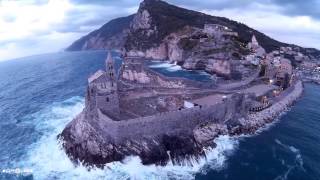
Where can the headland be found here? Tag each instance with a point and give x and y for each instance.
(137, 111)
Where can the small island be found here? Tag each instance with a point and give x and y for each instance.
(138, 111)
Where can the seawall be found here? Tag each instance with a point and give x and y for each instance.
(171, 123)
(281, 104)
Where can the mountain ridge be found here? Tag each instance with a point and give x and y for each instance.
(111, 28)
(121, 33)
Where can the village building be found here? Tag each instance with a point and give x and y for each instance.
(212, 29)
(284, 73)
(308, 65)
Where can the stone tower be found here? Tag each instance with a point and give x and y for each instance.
(109, 102)
(111, 72)
(103, 92)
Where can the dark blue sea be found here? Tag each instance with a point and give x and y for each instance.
(39, 95)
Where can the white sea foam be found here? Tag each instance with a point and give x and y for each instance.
(48, 160)
(167, 66)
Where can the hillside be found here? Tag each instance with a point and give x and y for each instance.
(112, 35)
(155, 27)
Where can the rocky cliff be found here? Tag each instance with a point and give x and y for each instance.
(112, 35)
(157, 19)
(163, 31)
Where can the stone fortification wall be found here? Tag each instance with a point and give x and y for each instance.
(173, 122)
(170, 123)
(281, 103)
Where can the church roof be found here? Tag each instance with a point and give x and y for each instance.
(95, 76)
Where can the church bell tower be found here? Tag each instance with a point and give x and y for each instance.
(111, 72)
(108, 99)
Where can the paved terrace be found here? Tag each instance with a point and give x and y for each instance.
(214, 97)
(210, 100)
(258, 90)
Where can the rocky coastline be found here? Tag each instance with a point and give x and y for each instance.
(85, 140)
(86, 144)
(135, 111)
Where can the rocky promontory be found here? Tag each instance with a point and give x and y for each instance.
(162, 122)
(138, 111)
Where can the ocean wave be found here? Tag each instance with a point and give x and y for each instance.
(167, 66)
(47, 159)
(298, 161)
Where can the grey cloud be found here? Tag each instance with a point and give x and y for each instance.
(288, 7)
(120, 3)
(215, 4)
(209, 4)
(98, 12)
(298, 7)
(89, 15)
(79, 19)
(101, 11)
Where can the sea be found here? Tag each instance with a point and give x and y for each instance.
(40, 95)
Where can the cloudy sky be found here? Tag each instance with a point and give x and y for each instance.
(29, 27)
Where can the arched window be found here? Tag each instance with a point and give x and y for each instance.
(107, 99)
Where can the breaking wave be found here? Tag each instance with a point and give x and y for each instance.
(165, 65)
(47, 160)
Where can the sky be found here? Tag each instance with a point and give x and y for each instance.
(29, 27)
